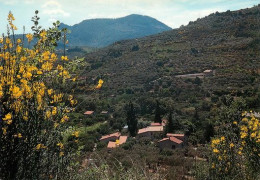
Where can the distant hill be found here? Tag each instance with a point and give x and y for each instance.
(103, 32)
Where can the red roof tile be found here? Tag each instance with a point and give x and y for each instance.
(176, 140)
(117, 134)
(155, 128)
(151, 129)
(111, 144)
(163, 139)
(140, 131)
(175, 135)
(155, 124)
(173, 139)
(178, 135)
(89, 112)
(122, 139)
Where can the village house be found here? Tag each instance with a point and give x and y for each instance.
(170, 143)
(208, 72)
(117, 143)
(155, 124)
(104, 112)
(164, 122)
(150, 132)
(173, 141)
(112, 144)
(179, 136)
(110, 137)
(114, 140)
(122, 139)
(89, 113)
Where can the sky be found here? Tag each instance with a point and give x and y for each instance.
(173, 13)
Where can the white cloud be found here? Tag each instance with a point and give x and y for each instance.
(29, 1)
(52, 20)
(185, 17)
(54, 11)
(51, 4)
(9, 2)
(54, 8)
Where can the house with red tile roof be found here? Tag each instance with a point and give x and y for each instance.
(150, 131)
(173, 141)
(170, 143)
(114, 140)
(117, 143)
(122, 139)
(179, 136)
(110, 137)
(89, 113)
(111, 145)
(155, 124)
(164, 122)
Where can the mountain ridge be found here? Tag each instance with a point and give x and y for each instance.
(101, 32)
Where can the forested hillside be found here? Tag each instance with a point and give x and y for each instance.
(103, 32)
(204, 74)
(145, 69)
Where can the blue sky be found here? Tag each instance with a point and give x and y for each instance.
(173, 13)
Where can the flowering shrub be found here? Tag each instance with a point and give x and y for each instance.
(34, 108)
(237, 154)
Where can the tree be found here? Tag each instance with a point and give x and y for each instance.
(131, 120)
(169, 126)
(172, 124)
(197, 81)
(209, 131)
(196, 119)
(157, 118)
(33, 104)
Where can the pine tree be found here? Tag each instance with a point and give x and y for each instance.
(209, 132)
(176, 123)
(131, 120)
(157, 118)
(169, 127)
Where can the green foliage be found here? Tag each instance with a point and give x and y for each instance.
(131, 119)
(169, 126)
(158, 118)
(235, 147)
(31, 140)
